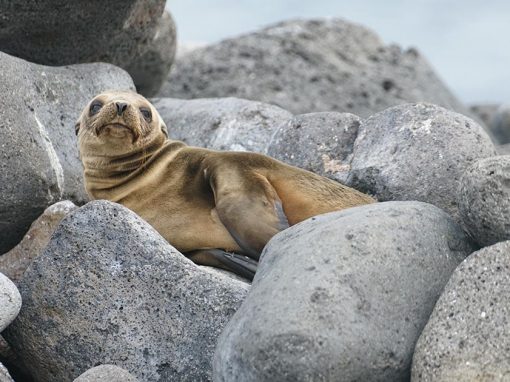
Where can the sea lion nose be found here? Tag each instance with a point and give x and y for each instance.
(121, 107)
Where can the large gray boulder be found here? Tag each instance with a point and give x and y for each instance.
(60, 32)
(343, 296)
(309, 66)
(109, 289)
(499, 124)
(417, 152)
(39, 165)
(106, 373)
(466, 338)
(221, 124)
(484, 200)
(318, 142)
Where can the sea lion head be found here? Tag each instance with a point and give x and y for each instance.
(117, 123)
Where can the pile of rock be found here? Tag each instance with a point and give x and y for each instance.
(342, 296)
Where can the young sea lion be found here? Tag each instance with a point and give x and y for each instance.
(205, 203)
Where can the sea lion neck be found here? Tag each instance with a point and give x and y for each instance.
(103, 173)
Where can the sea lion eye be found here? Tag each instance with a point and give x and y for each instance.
(146, 114)
(95, 107)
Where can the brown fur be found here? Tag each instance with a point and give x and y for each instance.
(196, 198)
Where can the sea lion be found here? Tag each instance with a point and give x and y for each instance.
(205, 203)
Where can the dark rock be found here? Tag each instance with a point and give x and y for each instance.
(151, 66)
(221, 124)
(317, 142)
(310, 66)
(109, 289)
(106, 373)
(484, 200)
(120, 32)
(417, 152)
(39, 162)
(14, 263)
(343, 296)
(466, 338)
(4, 374)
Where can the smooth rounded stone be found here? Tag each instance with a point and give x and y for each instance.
(10, 301)
(151, 66)
(39, 163)
(484, 200)
(500, 124)
(318, 142)
(14, 263)
(59, 32)
(4, 374)
(109, 289)
(106, 373)
(309, 66)
(221, 124)
(466, 338)
(417, 152)
(343, 296)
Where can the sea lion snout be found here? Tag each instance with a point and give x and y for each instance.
(121, 107)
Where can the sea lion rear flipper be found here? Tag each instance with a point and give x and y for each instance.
(239, 264)
(250, 209)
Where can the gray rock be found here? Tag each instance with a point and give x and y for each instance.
(417, 152)
(4, 374)
(109, 289)
(484, 200)
(343, 296)
(500, 124)
(106, 373)
(503, 149)
(318, 142)
(14, 263)
(151, 66)
(10, 301)
(221, 124)
(59, 32)
(310, 66)
(484, 112)
(466, 338)
(39, 162)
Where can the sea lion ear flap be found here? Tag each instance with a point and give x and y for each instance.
(164, 128)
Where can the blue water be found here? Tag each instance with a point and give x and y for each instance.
(466, 41)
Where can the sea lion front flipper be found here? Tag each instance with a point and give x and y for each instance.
(239, 264)
(250, 209)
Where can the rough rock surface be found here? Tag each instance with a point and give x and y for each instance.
(417, 152)
(39, 163)
(109, 290)
(106, 373)
(310, 66)
(318, 142)
(59, 32)
(221, 124)
(503, 149)
(484, 200)
(4, 374)
(466, 338)
(151, 66)
(500, 124)
(10, 301)
(14, 263)
(484, 112)
(343, 296)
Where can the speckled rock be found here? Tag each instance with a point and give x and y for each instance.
(14, 263)
(484, 200)
(10, 301)
(318, 142)
(59, 32)
(39, 163)
(109, 289)
(152, 65)
(309, 66)
(417, 152)
(343, 296)
(221, 124)
(466, 338)
(106, 373)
